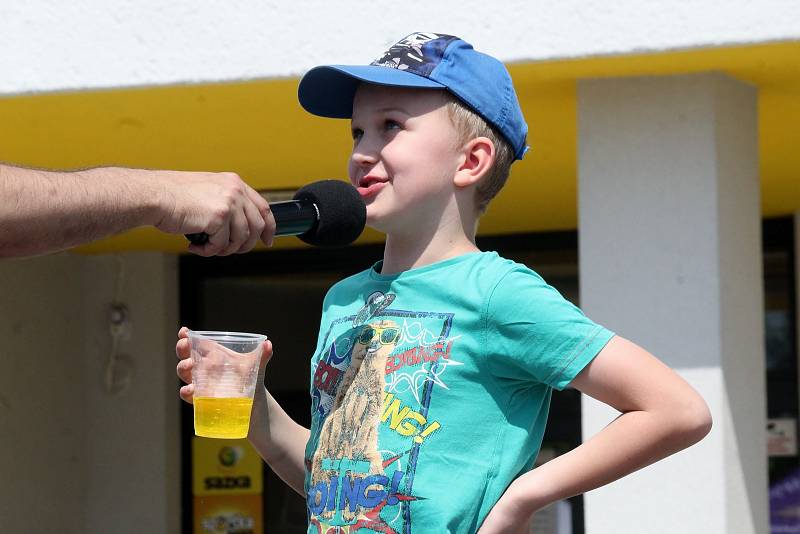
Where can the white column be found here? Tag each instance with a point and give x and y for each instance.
(133, 429)
(42, 399)
(670, 257)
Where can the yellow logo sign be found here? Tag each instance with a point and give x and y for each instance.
(225, 467)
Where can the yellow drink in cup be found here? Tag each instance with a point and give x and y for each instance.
(222, 417)
(224, 373)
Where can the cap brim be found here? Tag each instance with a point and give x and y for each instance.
(328, 91)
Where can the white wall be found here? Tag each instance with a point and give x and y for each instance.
(52, 45)
(82, 460)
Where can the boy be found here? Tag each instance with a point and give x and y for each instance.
(434, 368)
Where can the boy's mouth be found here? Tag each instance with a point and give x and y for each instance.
(370, 185)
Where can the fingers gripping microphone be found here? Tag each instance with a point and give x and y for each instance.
(328, 213)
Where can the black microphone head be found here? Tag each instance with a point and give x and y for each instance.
(342, 213)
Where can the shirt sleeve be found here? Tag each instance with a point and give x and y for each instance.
(533, 334)
(317, 354)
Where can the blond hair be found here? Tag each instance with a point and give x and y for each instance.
(470, 125)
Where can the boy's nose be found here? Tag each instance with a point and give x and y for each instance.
(364, 158)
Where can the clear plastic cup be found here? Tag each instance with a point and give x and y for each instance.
(224, 373)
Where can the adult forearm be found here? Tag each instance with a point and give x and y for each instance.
(44, 211)
(281, 442)
(632, 441)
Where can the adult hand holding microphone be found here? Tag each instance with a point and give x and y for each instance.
(44, 211)
(328, 213)
(234, 214)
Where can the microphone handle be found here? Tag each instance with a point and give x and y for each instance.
(292, 217)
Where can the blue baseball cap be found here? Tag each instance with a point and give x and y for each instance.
(424, 61)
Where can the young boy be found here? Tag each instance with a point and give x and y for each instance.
(434, 368)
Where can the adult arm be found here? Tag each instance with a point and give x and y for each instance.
(277, 437)
(45, 211)
(661, 415)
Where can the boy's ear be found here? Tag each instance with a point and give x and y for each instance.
(479, 154)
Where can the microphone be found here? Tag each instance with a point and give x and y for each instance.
(327, 214)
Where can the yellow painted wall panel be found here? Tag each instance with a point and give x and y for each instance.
(258, 130)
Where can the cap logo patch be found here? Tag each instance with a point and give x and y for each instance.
(418, 53)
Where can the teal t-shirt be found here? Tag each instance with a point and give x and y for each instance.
(430, 392)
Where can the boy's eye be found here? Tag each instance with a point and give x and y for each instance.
(357, 133)
(391, 125)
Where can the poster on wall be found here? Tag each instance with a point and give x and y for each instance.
(227, 486)
(782, 437)
(784, 505)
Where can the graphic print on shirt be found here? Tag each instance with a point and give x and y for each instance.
(374, 379)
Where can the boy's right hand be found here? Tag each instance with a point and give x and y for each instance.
(184, 367)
